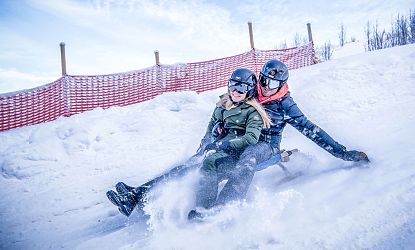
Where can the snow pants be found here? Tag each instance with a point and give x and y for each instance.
(238, 172)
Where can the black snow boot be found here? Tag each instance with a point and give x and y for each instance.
(125, 202)
(123, 188)
(194, 215)
(138, 193)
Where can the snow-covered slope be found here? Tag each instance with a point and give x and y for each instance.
(55, 175)
(349, 49)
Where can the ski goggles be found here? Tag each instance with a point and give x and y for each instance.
(270, 83)
(240, 87)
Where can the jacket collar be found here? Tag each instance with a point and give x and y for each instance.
(264, 99)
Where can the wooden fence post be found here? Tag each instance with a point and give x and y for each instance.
(156, 55)
(251, 35)
(310, 36)
(310, 39)
(63, 58)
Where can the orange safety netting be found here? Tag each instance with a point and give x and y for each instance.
(70, 95)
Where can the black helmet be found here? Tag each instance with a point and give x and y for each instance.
(274, 74)
(244, 81)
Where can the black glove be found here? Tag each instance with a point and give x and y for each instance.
(203, 143)
(224, 146)
(219, 131)
(354, 155)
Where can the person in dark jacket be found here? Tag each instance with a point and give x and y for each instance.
(274, 96)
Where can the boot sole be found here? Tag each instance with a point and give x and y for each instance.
(113, 197)
(124, 210)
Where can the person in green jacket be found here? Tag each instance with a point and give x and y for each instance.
(236, 123)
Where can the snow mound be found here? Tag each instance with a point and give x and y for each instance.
(54, 176)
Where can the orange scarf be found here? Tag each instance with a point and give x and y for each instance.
(264, 99)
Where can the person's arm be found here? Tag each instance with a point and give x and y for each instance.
(252, 131)
(299, 121)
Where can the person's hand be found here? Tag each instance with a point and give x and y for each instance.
(354, 155)
(217, 130)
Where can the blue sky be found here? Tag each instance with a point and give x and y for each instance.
(105, 37)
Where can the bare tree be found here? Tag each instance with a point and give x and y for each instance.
(299, 40)
(402, 32)
(367, 33)
(379, 38)
(282, 45)
(412, 26)
(342, 35)
(325, 52)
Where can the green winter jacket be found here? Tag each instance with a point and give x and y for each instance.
(242, 124)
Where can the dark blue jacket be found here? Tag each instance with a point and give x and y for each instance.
(285, 110)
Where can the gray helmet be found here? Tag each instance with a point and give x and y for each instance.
(244, 81)
(274, 74)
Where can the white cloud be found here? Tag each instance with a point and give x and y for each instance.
(111, 36)
(177, 29)
(14, 80)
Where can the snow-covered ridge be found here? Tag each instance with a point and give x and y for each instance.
(54, 175)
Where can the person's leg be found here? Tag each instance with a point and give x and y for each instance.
(139, 192)
(240, 177)
(208, 184)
